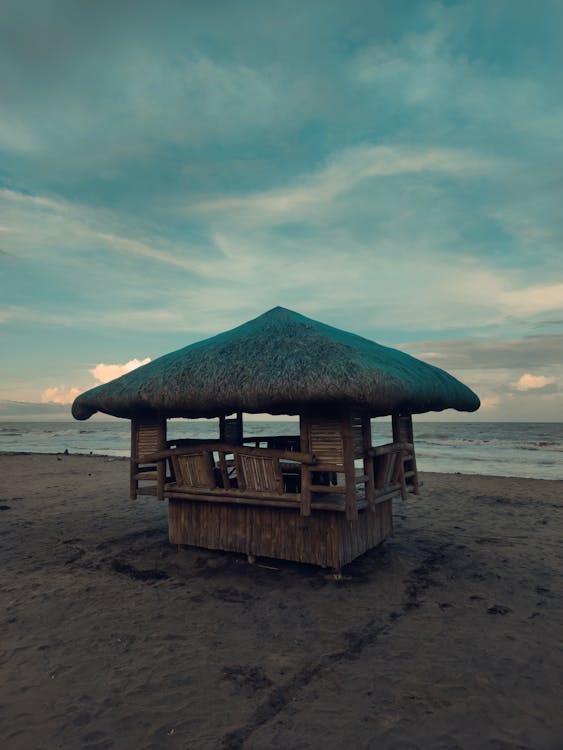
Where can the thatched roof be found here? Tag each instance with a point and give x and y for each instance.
(280, 363)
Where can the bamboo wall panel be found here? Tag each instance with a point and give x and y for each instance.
(148, 436)
(326, 442)
(371, 528)
(326, 539)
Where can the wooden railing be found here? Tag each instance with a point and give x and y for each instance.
(220, 472)
(238, 473)
(389, 469)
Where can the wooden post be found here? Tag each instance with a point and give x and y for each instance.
(132, 464)
(368, 462)
(160, 478)
(403, 433)
(231, 429)
(349, 468)
(305, 470)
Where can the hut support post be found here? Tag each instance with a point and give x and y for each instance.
(368, 462)
(231, 429)
(403, 433)
(305, 473)
(160, 479)
(349, 468)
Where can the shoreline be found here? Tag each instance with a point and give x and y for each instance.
(447, 635)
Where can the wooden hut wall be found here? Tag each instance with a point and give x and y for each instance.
(325, 538)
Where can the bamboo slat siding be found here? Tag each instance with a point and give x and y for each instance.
(326, 539)
(326, 441)
(150, 438)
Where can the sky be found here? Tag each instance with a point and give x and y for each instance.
(170, 170)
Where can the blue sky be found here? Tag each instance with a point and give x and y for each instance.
(171, 170)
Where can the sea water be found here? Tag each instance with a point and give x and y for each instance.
(522, 449)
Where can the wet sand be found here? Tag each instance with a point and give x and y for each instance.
(448, 636)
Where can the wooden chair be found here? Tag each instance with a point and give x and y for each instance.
(194, 470)
(389, 471)
(259, 473)
(147, 436)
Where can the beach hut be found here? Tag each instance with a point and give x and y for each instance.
(322, 496)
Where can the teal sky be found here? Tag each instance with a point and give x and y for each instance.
(170, 170)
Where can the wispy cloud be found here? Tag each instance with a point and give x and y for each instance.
(136, 247)
(533, 300)
(150, 318)
(34, 200)
(71, 228)
(342, 174)
(495, 353)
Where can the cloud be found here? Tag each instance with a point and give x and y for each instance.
(104, 373)
(60, 394)
(532, 300)
(136, 247)
(449, 67)
(343, 173)
(529, 382)
(490, 402)
(34, 200)
(493, 369)
(69, 229)
(145, 97)
(545, 351)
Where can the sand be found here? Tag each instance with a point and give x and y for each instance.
(448, 636)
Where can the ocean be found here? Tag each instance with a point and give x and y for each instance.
(522, 449)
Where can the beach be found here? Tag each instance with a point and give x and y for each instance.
(447, 636)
